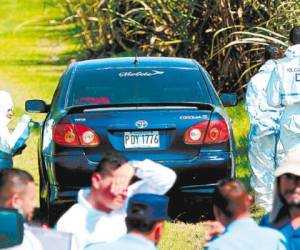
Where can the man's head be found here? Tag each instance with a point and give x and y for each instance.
(272, 51)
(231, 201)
(105, 175)
(6, 105)
(17, 190)
(288, 179)
(146, 214)
(294, 35)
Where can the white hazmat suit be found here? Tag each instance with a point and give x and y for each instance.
(263, 137)
(10, 143)
(284, 91)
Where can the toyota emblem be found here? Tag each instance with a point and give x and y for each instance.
(141, 124)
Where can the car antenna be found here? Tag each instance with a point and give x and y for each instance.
(135, 62)
(135, 59)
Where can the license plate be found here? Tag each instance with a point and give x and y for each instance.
(143, 139)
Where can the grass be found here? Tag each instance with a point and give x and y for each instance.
(32, 60)
(35, 52)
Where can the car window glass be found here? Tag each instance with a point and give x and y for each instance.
(142, 85)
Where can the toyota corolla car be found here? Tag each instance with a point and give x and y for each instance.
(164, 109)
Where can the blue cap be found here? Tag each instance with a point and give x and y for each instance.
(148, 207)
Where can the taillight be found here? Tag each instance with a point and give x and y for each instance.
(69, 134)
(196, 133)
(215, 131)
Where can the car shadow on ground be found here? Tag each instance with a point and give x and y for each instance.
(190, 209)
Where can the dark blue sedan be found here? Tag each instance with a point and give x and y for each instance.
(164, 109)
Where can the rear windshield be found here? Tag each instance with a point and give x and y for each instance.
(142, 85)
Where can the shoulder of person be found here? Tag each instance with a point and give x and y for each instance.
(72, 216)
(265, 221)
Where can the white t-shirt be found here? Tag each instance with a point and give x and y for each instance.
(90, 225)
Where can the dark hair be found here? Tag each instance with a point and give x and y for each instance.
(139, 224)
(272, 51)
(109, 163)
(295, 35)
(231, 197)
(12, 180)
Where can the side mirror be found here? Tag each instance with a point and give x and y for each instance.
(11, 228)
(229, 99)
(36, 106)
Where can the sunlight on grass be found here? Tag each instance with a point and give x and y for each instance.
(32, 58)
(240, 126)
(181, 236)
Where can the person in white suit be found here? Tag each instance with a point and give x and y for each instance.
(11, 143)
(264, 151)
(284, 91)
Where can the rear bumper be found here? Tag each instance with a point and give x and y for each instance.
(196, 177)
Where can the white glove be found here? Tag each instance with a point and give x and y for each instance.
(25, 119)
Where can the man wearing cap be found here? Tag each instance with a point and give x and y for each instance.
(145, 217)
(231, 209)
(285, 213)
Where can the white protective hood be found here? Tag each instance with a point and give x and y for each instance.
(293, 51)
(6, 103)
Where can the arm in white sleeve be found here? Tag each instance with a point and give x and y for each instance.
(20, 134)
(11, 142)
(274, 90)
(252, 104)
(155, 178)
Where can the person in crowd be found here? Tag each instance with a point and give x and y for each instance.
(11, 143)
(285, 213)
(231, 209)
(264, 131)
(284, 91)
(99, 215)
(18, 191)
(145, 221)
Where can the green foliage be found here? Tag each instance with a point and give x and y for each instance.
(226, 37)
(154, 27)
(239, 45)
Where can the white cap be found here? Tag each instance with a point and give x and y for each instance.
(290, 164)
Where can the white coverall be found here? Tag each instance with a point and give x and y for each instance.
(263, 137)
(284, 91)
(10, 142)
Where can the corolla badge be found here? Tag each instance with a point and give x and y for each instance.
(137, 74)
(141, 124)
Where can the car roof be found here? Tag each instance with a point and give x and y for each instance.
(142, 62)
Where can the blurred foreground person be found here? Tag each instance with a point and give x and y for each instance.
(11, 143)
(231, 209)
(99, 215)
(264, 150)
(284, 91)
(17, 190)
(145, 221)
(285, 214)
